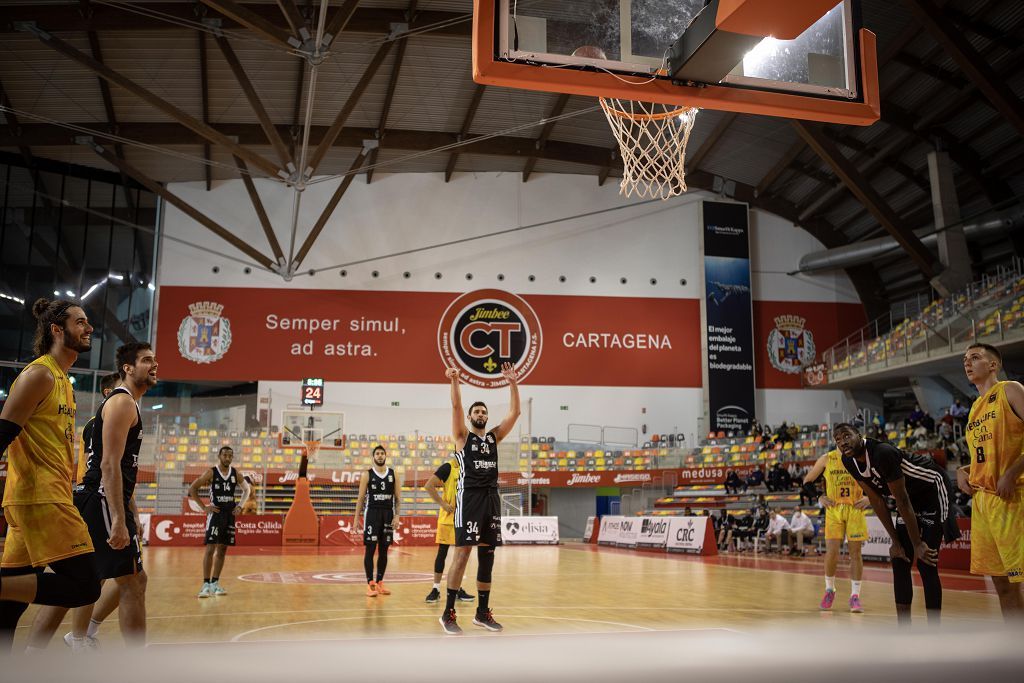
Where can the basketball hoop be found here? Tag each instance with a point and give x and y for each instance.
(312, 449)
(652, 140)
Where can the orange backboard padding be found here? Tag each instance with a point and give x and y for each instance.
(301, 526)
(488, 71)
(781, 19)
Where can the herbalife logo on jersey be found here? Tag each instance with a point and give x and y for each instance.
(483, 329)
(205, 335)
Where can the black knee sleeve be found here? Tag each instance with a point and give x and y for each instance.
(902, 584)
(485, 563)
(442, 555)
(74, 583)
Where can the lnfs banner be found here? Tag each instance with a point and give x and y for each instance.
(729, 331)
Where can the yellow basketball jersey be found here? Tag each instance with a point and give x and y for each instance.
(995, 436)
(41, 459)
(840, 485)
(448, 495)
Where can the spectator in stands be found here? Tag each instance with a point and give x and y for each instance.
(801, 529)
(762, 504)
(688, 512)
(250, 507)
(919, 437)
(809, 493)
(794, 470)
(756, 477)
(733, 483)
(958, 411)
(777, 528)
(782, 433)
(774, 479)
(915, 416)
(858, 420)
(948, 418)
(755, 429)
(945, 433)
(928, 422)
(724, 526)
(744, 529)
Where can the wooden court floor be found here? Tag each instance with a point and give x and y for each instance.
(308, 594)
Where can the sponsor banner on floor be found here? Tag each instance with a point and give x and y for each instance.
(611, 527)
(407, 337)
(413, 530)
(529, 530)
(588, 531)
(687, 535)
(629, 531)
(653, 532)
(190, 530)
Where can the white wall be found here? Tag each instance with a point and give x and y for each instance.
(397, 213)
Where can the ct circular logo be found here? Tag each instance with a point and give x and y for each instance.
(483, 329)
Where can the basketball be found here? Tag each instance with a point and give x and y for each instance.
(590, 52)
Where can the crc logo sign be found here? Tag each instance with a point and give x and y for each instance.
(483, 329)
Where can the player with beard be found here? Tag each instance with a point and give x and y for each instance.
(477, 504)
(920, 489)
(380, 518)
(105, 498)
(37, 431)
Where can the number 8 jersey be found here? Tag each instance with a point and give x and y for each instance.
(840, 485)
(995, 435)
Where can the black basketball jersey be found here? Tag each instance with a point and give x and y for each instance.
(478, 462)
(222, 489)
(93, 478)
(380, 491)
(923, 478)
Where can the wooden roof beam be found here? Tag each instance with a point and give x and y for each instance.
(255, 23)
(467, 123)
(389, 96)
(328, 211)
(984, 77)
(859, 186)
(200, 128)
(261, 212)
(350, 104)
(275, 139)
(709, 144)
(183, 206)
(545, 132)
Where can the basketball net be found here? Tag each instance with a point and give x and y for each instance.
(312, 449)
(652, 140)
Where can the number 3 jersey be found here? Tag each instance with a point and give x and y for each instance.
(995, 435)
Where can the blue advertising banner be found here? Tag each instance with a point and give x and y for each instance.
(729, 334)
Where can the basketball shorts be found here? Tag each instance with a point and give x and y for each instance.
(478, 517)
(445, 534)
(997, 535)
(846, 521)
(377, 526)
(41, 533)
(110, 563)
(220, 528)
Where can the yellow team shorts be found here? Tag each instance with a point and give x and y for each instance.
(445, 534)
(846, 521)
(41, 533)
(997, 535)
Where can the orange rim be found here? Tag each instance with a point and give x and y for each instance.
(644, 117)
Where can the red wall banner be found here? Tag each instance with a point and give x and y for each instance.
(366, 336)
(791, 334)
(190, 530)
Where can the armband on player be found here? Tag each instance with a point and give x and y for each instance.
(8, 433)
